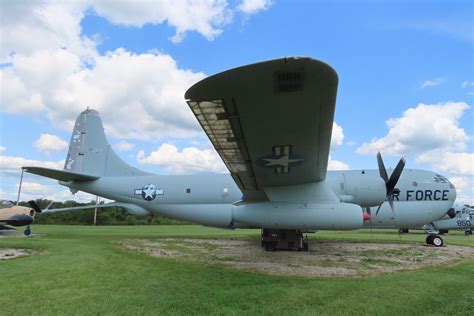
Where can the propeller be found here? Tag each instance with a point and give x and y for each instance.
(34, 206)
(391, 182)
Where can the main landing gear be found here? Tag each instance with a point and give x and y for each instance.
(284, 239)
(468, 232)
(27, 231)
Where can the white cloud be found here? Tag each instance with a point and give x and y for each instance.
(464, 189)
(54, 70)
(143, 92)
(432, 134)
(431, 83)
(466, 84)
(35, 188)
(254, 6)
(189, 160)
(421, 129)
(337, 136)
(2, 149)
(11, 164)
(27, 27)
(48, 143)
(123, 146)
(337, 165)
(459, 163)
(205, 17)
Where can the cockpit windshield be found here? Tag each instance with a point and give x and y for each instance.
(5, 204)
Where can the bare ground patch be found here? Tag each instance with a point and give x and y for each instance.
(325, 258)
(12, 253)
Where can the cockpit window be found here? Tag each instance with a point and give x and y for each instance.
(440, 179)
(5, 204)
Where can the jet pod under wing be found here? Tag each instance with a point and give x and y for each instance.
(270, 122)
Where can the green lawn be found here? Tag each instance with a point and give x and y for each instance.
(80, 270)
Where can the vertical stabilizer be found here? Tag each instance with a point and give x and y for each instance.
(90, 153)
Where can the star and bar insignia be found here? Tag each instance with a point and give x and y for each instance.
(282, 159)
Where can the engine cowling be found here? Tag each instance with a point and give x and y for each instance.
(365, 190)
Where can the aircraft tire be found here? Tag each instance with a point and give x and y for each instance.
(429, 239)
(270, 247)
(437, 241)
(27, 232)
(468, 232)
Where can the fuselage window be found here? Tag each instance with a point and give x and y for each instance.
(188, 190)
(225, 190)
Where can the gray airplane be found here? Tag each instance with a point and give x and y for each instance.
(271, 124)
(458, 217)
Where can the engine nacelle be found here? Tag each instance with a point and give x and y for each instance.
(302, 216)
(365, 190)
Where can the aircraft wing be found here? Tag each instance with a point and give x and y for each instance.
(84, 207)
(270, 122)
(132, 208)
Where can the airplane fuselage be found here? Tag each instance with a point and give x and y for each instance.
(209, 199)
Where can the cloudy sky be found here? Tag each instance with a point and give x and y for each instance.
(406, 82)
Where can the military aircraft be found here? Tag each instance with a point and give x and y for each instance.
(457, 217)
(463, 219)
(271, 123)
(14, 215)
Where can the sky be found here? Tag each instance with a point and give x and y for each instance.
(406, 80)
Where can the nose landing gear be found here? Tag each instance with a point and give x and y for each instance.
(433, 238)
(27, 231)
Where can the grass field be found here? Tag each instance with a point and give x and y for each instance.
(80, 270)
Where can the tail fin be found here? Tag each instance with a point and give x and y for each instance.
(90, 153)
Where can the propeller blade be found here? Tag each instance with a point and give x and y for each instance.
(392, 207)
(392, 182)
(34, 206)
(382, 170)
(378, 209)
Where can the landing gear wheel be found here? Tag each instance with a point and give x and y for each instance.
(437, 241)
(468, 232)
(27, 231)
(270, 247)
(429, 239)
(305, 247)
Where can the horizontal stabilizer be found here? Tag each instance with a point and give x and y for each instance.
(60, 175)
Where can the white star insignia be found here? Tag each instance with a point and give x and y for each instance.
(283, 161)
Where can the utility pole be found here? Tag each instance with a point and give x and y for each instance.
(95, 211)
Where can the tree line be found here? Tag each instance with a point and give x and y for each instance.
(105, 216)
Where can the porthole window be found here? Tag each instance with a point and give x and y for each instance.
(188, 190)
(415, 184)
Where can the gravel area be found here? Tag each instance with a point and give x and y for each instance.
(326, 258)
(11, 253)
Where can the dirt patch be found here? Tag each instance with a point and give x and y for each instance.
(11, 253)
(324, 257)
